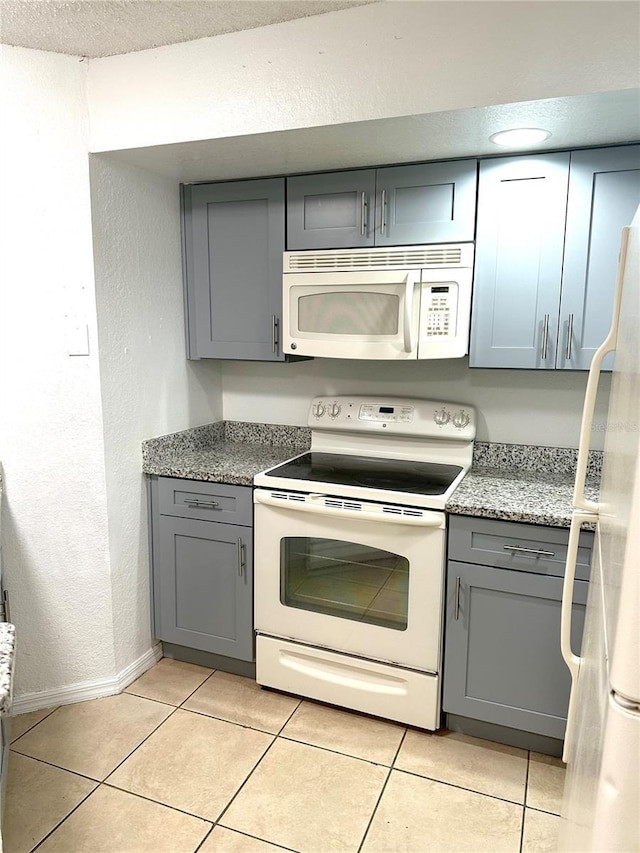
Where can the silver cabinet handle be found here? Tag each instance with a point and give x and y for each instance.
(456, 606)
(567, 352)
(274, 333)
(545, 337)
(241, 558)
(196, 502)
(383, 213)
(363, 213)
(539, 552)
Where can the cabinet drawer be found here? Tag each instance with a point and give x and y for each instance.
(516, 545)
(205, 501)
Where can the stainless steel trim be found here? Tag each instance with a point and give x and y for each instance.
(539, 552)
(567, 352)
(383, 211)
(363, 213)
(196, 502)
(456, 606)
(274, 333)
(545, 337)
(241, 565)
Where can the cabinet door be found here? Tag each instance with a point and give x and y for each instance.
(427, 203)
(203, 586)
(502, 648)
(604, 192)
(234, 239)
(518, 270)
(331, 211)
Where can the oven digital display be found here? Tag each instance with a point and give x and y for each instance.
(387, 414)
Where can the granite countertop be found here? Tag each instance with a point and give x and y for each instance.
(507, 481)
(225, 452)
(7, 657)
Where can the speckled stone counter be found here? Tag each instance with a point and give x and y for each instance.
(225, 452)
(523, 483)
(7, 657)
(514, 482)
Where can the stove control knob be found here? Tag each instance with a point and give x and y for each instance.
(461, 419)
(334, 410)
(318, 410)
(441, 416)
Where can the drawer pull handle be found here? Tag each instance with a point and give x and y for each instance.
(241, 558)
(539, 552)
(456, 606)
(195, 502)
(363, 214)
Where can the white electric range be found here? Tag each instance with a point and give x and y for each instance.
(349, 555)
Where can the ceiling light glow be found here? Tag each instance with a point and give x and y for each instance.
(520, 136)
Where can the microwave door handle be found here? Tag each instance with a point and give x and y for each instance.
(413, 278)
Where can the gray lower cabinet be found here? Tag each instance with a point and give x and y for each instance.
(202, 547)
(233, 240)
(547, 244)
(502, 660)
(398, 205)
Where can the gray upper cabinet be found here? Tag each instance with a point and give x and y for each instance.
(518, 269)
(548, 237)
(604, 192)
(233, 239)
(331, 211)
(399, 205)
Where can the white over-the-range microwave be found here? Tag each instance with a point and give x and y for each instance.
(406, 302)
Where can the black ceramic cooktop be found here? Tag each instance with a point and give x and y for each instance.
(423, 478)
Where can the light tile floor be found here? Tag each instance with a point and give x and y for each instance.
(190, 759)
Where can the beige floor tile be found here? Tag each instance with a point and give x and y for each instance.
(540, 832)
(344, 731)
(23, 722)
(307, 799)
(416, 814)
(192, 762)
(170, 681)
(93, 737)
(241, 700)
(480, 765)
(111, 820)
(38, 797)
(224, 840)
(546, 783)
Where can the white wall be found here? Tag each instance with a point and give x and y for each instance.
(148, 387)
(368, 62)
(54, 524)
(514, 406)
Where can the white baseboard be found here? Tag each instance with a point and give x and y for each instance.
(95, 689)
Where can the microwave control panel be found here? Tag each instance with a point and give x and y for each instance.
(445, 308)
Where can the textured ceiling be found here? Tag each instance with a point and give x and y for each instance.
(97, 28)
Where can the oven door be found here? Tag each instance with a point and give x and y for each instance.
(371, 314)
(351, 576)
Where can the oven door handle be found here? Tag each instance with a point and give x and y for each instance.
(313, 505)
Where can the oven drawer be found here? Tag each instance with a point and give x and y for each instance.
(516, 545)
(205, 501)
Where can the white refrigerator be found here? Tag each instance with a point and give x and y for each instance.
(601, 808)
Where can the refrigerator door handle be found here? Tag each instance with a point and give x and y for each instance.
(570, 658)
(608, 345)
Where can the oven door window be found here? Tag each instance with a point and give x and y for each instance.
(344, 579)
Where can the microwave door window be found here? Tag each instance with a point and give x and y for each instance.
(363, 313)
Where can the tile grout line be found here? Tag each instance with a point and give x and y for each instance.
(31, 728)
(524, 809)
(382, 790)
(460, 787)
